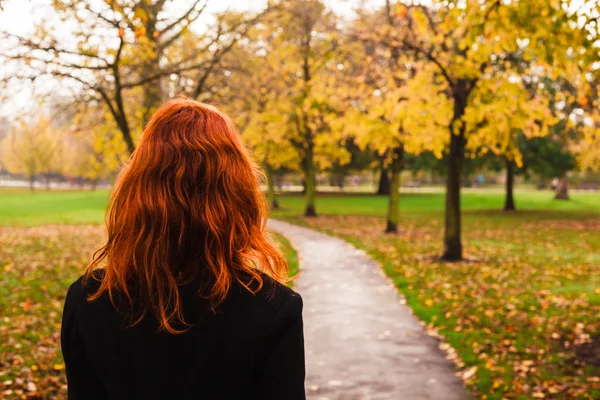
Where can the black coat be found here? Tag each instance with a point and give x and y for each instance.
(252, 348)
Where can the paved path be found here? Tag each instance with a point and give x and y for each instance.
(361, 342)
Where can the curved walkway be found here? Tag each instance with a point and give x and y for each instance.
(362, 342)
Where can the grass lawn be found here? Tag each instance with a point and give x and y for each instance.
(290, 254)
(582, 203)
(19, 207)
(37, 265)
(522, 314)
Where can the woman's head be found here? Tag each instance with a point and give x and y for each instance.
(187, 207)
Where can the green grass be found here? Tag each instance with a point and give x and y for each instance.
(19, 207)
(422, 203)
(37, 265)
(290, 254)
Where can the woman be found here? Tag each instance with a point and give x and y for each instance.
(183, 301)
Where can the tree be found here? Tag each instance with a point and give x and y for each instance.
(548, 156)
(257, 87)
(304, 18)
(32, 150)
(378, 115)
(308, 38)
(464, 44)
(504, 111)
(554, 157)
(92, 149)
(266, 134)
(588, 147)
(121, 50)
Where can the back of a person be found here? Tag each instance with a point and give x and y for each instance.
(179, 304)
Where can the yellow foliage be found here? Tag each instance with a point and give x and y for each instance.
(32, 149)
(588, 147)
(501, 109)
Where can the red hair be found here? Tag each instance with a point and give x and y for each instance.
(187, 207)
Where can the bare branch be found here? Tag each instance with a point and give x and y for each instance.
(184, 17)
(51, 47)
(114, 23)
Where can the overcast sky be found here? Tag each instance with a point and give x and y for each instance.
(19, 16)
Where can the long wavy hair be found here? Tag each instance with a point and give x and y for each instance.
(187, 207)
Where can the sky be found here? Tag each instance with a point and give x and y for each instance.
(19, 16)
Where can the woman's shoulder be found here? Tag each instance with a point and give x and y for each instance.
(279, 294)
(272, 296)
(268, 300)
(82, 288)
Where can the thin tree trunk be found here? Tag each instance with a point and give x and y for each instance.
(393, 212)
(541, 182)
(562, 190)
(272, 200)
(94, 185)
(309, 183)
(47, 182)
(384, 182)
(305, 129)
(153, 91)
(31, 183)
(118, 108)
(509, 204)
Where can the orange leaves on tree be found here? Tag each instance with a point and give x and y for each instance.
(401, 10)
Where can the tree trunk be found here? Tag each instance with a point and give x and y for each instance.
(306, 131)
(309, 183)
(393, 212)
(94, 184)
(31, 183)
(153, 91)
(47, 182)
(541, 182)
(452, 232)
(509, 204)
(562, 190)
(384, 182)
(452, 239)
(271, 199)
(152, 96)
(121, 118)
